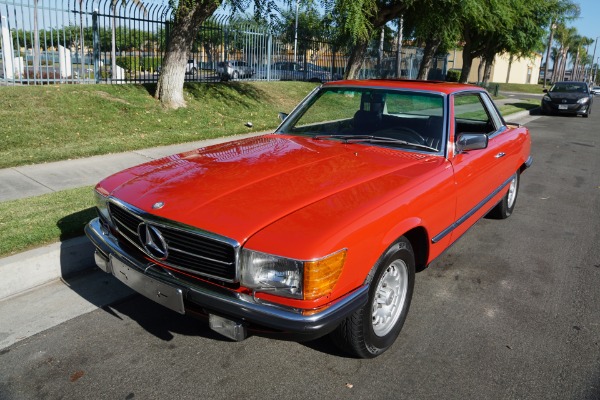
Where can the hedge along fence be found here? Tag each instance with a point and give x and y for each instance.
(139, 64)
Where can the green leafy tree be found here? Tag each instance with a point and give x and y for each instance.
(434, 26)
(361, 21)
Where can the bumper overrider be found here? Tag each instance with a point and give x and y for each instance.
(230, 313)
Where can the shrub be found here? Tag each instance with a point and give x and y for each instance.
(150, 63)
(453, 75)
(130, 64)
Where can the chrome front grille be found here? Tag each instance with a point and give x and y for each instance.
(193, 252)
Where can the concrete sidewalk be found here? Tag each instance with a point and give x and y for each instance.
(38, 179)
(65, 272)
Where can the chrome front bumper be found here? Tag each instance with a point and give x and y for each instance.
(159, 285)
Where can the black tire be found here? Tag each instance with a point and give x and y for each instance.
(365, 334)
(505, 207)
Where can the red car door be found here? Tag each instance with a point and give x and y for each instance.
(481, 175)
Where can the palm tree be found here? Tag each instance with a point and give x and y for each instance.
(582, 55)
(565, 38)
(574, 51)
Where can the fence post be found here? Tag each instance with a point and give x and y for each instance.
(96, 45)
(269, 55)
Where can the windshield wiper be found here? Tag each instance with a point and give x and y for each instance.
(342, 137)
(374, 139)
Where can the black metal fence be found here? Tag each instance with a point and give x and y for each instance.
(111, 41)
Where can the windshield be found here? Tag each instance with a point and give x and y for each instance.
(563, 87)
(346, 113)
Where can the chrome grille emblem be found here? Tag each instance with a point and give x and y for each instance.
(153, 241)
(158, 205)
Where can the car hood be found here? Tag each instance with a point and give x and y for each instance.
(238, 188)
(567, 95)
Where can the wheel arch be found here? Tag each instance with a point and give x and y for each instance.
(417, 235)
(419, 240)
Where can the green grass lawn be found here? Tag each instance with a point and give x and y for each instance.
(40, 220)
(519, 105)
(521, 88)
(50, 123)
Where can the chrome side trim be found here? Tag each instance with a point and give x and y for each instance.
(529, 162)
(469, 214)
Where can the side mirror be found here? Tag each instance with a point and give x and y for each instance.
(545, 90)
(471, 141)
(282, 116)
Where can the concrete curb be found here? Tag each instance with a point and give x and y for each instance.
(27, 270)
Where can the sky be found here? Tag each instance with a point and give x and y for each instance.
(587, 23)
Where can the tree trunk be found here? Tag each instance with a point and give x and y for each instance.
(510, 61)
(482, 62)
(487, 72)
(467, 59)
(188, 19)
(557, 66)
(208, 50)
(466, 68)
(431, 46)
(575, 72)
(355, 60)
(552, 27)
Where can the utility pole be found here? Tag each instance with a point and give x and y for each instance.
(399, 49)
(593, 57)
(296, 35)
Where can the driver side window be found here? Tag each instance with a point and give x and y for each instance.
(471, 115)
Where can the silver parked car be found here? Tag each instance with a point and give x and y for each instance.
(234, 70)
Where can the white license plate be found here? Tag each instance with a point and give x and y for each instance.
(563, 107)
(166, 295)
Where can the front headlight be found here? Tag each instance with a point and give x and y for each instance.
(102, 205)
(583, 100)
(546, 98)
(287, 277)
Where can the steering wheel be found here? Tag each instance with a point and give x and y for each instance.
(407, 134)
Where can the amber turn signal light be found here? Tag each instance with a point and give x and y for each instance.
(320, 276)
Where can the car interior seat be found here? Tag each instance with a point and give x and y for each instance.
(369, 117)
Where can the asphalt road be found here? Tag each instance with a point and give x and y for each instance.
(510, 312)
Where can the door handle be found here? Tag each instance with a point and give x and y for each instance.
(499, 155)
